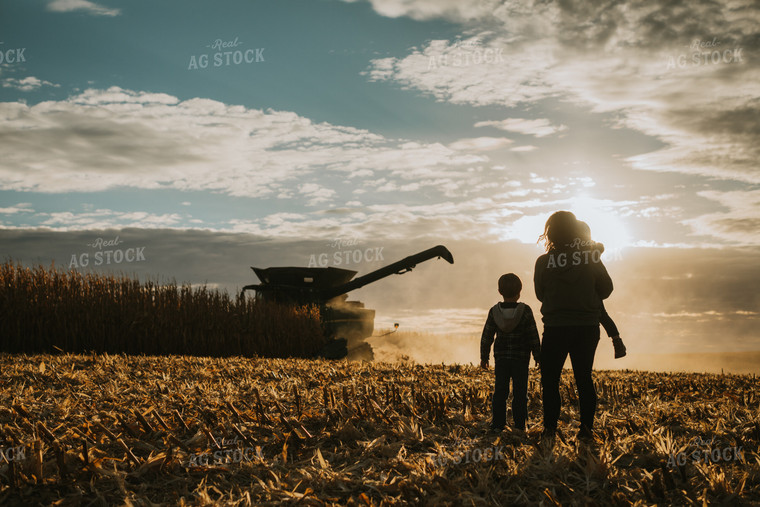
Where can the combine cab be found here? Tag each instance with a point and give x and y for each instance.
(348, 322)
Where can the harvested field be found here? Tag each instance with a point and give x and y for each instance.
(113, 429)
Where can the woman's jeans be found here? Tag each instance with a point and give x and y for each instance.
(580, 343)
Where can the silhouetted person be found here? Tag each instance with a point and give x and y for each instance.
(516, 338)
(570, 282)
(584, 234)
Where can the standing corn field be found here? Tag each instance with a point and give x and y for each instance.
(43, 310)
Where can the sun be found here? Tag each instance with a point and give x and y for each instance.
(606, 225)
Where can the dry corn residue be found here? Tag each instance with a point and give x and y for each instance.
(115, 429)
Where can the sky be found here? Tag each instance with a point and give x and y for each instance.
(199, 138)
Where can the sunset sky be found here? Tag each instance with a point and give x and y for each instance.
(396, 125)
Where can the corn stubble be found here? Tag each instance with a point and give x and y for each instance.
(116, 429)
(43, 310)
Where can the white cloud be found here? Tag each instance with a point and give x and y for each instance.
(440, 69)
(22, 207)
(102, 139)
(540, 127)
(317, 193)
(480, 143)
(449, 219)
(739, 221)
(27, 84)
(82, 5)
(431, 9)
(108, 219)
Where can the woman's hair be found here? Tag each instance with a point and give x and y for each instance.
(560, 229)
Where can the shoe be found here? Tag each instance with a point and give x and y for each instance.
(617, 342)
(547, 438)
(585, 434)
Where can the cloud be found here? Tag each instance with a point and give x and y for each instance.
(447, 72)
(103, 139)
(612, 59)
(27, 84)
(317, 193)
(389, 221)
(498, 205)
(81, 5)
(540, 127)
(453, 10)
(22, 207)
(480, 143)
(738, 223)
(107, 219)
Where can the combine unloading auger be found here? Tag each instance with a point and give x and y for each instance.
(348, 322)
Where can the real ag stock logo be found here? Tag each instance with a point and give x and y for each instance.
(226, 54)
(12, 453)
(466, 53)
(227, 453)
(468, 451)
(345, 255)
(705, 451)
(108, 256)
(12, 55)
(706, 52)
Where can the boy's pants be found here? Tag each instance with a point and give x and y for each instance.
(580, 342)
(516, 370)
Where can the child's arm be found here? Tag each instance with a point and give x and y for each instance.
(533, 339)
(486, 339)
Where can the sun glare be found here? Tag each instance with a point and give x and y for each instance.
(606, 226)
(527, 229)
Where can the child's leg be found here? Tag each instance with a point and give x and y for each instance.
(519, 371)
(500, 393)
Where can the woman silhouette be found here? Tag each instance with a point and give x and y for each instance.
(571, 283)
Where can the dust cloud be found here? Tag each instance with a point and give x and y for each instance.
(428, 348)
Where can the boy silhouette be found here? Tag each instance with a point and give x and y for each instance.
(516, 338)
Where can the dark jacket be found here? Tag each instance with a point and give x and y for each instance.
(571, 284)
(515, 330)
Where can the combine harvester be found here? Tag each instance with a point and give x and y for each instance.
(347, 323)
